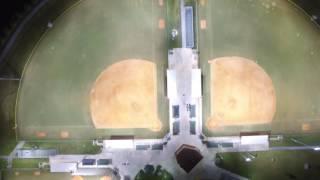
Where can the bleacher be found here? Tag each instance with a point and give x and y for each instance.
(142, 147)
(192, 111)
(176, 128)
(188, 10)
(192, 127)
(88, 162)
(104, 162)
(176, 112)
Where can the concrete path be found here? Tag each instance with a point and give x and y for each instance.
(129, 162)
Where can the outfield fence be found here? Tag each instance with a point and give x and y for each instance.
(18, 48)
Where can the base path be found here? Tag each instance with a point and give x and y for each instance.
(242, 93)
(125, 96)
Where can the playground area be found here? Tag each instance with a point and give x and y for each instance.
(285, 48)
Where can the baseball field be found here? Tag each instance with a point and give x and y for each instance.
(98, 71)
(282, 42)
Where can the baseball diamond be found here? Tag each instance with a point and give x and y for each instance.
(70, 56)
(159, 89)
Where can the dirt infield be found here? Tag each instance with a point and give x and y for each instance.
(242, 93)
(125, 96)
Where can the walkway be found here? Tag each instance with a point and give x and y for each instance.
(182, 63)
(13, 153)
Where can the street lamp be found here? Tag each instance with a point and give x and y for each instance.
(247, 159)
(316, 148)
(304, 144)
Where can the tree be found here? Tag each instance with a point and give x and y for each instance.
(151, 173)
(3, 164)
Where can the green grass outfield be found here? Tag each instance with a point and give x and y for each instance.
(27, 163)
(54, 91)
(274, 165)
(283, 40)
(28, 175)
(66, 147)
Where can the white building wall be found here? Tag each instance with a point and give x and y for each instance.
(171, 84)
(196, 83)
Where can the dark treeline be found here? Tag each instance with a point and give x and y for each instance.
(312, 7)
(13, 11)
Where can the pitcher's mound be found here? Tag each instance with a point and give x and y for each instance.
(242, 93)
(125, 96)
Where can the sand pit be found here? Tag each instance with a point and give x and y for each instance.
(125, 96)
(242, 93)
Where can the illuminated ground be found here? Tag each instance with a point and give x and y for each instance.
(284, 43)
(64, 66)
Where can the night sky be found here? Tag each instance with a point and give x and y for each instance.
(311, 6)
(10, 8)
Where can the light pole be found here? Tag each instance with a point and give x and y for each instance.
(317, 148)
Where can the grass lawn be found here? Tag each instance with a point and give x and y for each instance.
(8, 91)
(27, 163)
(309, 139)
(3, 164)
(66, 147)
(274, 165)
(173, 21)
(6, 146)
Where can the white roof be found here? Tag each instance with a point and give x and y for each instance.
(171, 84)
(119, 144)
(196, 83)
(251, 140)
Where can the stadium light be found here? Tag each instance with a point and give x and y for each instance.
(317, 148)
(246, 158)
